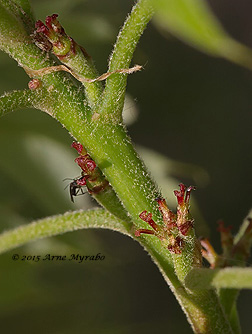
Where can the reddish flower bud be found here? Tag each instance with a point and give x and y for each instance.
(91, 165)
(183, 195)
(79, 148)
(85, 163)
(54, 32)
(208, 252)
(227, 239)
(180, 194)
(188, 194)
(184, 228)
(40, 27)
(52, 19)
(148, 219)
(143, 231)
(53, 24)
(176, 226)
(176, 246)
(34, 84)
(169, 217)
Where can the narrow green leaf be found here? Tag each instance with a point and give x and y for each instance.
(55, 225)
(194, 22)
(243, 228)
(230, 278)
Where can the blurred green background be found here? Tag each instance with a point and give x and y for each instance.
(193, 111)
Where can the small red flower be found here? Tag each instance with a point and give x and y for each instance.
(79, 147)
(176, 226)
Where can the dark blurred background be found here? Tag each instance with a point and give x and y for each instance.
(193, 109)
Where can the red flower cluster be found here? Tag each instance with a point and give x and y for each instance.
(176, 226)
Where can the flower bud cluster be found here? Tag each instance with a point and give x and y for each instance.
(176, 227)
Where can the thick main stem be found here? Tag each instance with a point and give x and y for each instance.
(111, 148)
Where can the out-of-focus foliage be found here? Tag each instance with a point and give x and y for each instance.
(194, 22)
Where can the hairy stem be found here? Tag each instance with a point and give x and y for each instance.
(56, 225)
(15, 100)
(114, 93)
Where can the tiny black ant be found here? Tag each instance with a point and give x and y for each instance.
(76, 187)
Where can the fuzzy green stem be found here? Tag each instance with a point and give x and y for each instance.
(84, 67)
(25, 99)
(136, 200)
(15, 100)
(21, 9)
(112, 150)
(114, 92)
(228, 299)
(70, 221)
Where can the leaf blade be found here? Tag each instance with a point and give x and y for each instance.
(229, 278)
(193, 22)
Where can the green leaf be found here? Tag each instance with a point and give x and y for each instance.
(55, 225)
(243, 228)
(230, 278)
(193, 22)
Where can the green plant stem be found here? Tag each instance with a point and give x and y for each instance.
(22, 10)
(56, 225)
(127, 181)
(25, 99)
(85, 68)
(128, 176)
(15, 100)
(228, 298)
(114, 92)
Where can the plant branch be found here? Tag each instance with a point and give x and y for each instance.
(56, 225)
(230, 277)
(15, 100)
(22, 10)
(71, 54)
(228, 299)
(30, 99)
(114, 92)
